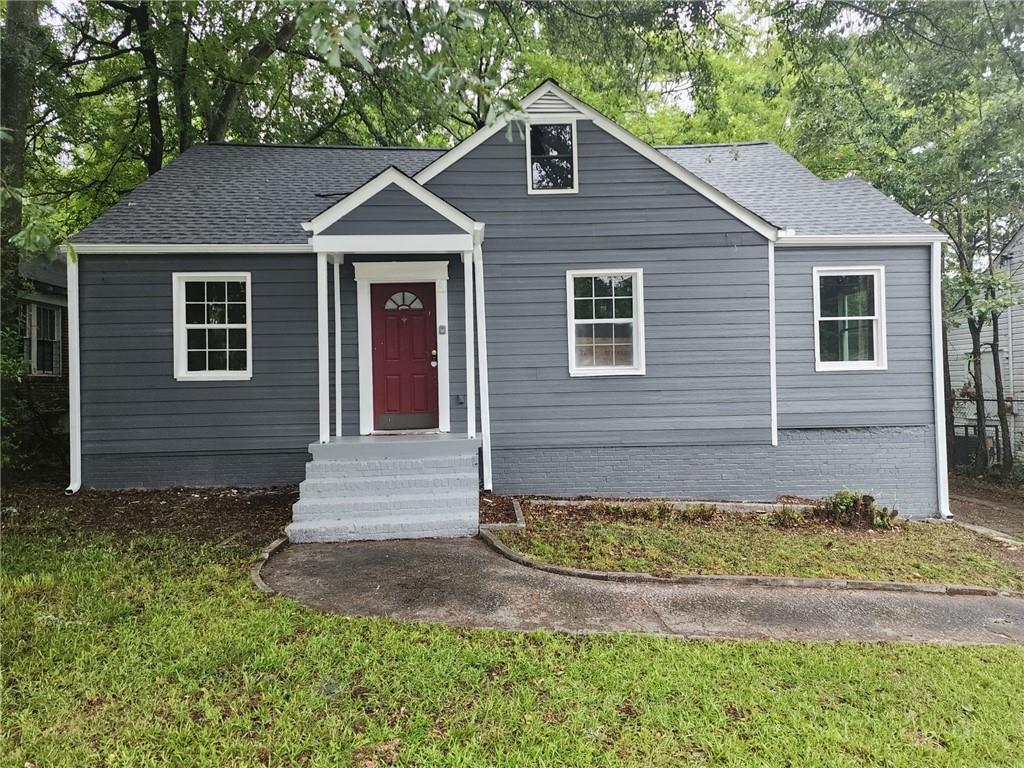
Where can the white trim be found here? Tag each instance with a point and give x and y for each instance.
(881, 361)
(467, 293)
(787, 239)
(639, 146)
(74, 380)
(485, 390)
(367, 273)
(393, 244)
(380, 182)
(939, 383)
(639, 367)
(336, 262)
(115, 249)
(575, 188)
(181, 371)
(323, 349)
(772, 350)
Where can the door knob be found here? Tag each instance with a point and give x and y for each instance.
(433, 358)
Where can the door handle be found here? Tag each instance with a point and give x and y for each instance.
(433, 358)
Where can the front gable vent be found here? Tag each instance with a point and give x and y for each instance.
(551, 104)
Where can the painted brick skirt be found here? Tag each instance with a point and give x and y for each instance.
(894, 464)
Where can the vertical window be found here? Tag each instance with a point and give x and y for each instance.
(849, 318)
(40, 338)
(212, 326)
(605, 322)
(551, 157)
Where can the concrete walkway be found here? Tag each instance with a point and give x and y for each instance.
(464, 583)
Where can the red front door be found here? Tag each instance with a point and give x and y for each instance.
(404, 332)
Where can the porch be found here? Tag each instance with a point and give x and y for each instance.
(402, 359)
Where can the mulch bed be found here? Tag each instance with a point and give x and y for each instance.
(496, 509)
(240, 517)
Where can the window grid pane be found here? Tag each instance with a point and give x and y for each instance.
(551, 156)
(216, 325)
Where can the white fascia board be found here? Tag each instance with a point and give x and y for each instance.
(788, 240)
(639, 146)
(376, 185)
(392, 243)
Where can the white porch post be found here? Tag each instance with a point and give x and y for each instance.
(481, 340)
(467, 286)
(338, 259)
(323, 348)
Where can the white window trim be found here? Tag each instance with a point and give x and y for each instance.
(881, 361)
(181, 371)
(575, 159)
(639, 367)
(32, 328)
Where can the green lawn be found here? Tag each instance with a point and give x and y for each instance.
(146, 650)
(619, 539)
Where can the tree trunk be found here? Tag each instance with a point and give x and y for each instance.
(980, 419)
(224, 109)
(179, 74)
(21, 44)
(144, 26)
(1006, 467)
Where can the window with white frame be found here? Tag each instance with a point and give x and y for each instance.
(212, 325)
(849, 318)
(551, 157)
(606, 322)
(41, 337)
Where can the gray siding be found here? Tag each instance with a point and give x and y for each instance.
(132, 407)
(900, 395)
(705, 285)
(392, 211)
(895, 464)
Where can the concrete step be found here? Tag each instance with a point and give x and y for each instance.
(395, 447)
(394, 467)
(345, 529)
(391, 505)
(387, 485)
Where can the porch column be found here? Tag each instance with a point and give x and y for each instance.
(337, 259)
(323, 348)
(481, 340)
(467, 284)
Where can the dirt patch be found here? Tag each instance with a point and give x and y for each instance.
(980, 502)
(496, 509)
(247, 518)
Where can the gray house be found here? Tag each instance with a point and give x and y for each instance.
(556, 308)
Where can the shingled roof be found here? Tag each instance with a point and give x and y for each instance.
(251, 193)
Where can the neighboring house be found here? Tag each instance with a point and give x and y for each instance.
(43, 327)
(583, 312)
(1011, 346)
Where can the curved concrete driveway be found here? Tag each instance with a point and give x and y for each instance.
(464, 583)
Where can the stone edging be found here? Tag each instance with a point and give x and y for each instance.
(725, 580)
(518, 525)
(991, 533)
(256, 570)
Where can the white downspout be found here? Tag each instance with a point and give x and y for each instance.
(481, 340)
(74, 376)
(772, 382)
(939, 382)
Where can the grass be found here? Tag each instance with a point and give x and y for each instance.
(142, 650)
(613, 539)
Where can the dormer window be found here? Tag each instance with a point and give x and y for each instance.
(551, 153)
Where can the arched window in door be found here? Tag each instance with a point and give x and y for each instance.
(403, 300)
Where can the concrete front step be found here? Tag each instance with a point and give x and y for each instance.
(396, 505)
(391, 448)
(363, 486)
(364, 528)
(319, 468)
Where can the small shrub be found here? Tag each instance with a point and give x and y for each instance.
(786, 517)
(852, 509)
(697, 513)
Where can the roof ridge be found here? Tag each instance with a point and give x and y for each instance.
(259, 145)
(753, 142)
